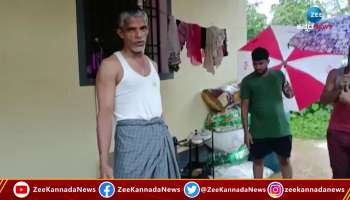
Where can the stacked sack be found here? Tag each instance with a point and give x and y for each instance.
(220, 99)
(225, 120)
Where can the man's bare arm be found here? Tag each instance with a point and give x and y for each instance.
(105, 86)
(287, 90)
(244, 115)
(330, 93)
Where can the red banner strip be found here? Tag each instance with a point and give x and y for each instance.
(174, 189)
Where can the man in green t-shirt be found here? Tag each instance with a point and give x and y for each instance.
(261, 95)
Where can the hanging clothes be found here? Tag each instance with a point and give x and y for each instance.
(95, 58)
(225, 44)
(203, 40)
(173, 45)
(182, 30)
(214, 48)
(190, 34)
(210, 42)
(203, 37)
(194, 44)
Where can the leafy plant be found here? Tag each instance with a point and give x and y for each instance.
(312, 122)
(256, 22)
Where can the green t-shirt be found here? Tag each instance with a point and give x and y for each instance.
(268, 119)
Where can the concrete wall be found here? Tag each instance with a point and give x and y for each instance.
(47, 121)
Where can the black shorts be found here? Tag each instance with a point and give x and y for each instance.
(262, 147)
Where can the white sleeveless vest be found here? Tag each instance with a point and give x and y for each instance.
(137, 96)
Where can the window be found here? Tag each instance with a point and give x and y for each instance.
(97, 38)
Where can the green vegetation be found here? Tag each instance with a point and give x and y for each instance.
(256, 21)
(311, 123)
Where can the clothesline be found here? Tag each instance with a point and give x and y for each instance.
(177, 19)
(205, 46)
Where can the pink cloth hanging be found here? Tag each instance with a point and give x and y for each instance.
(182, 30)
(194, 44)
(191, 35)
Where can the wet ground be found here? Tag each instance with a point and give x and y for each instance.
(309, 159)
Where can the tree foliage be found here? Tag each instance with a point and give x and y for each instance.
(256, 21)
(290, 12)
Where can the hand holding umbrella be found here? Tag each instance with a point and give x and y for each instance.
(344, 87)
(287, 90)
(345, 81)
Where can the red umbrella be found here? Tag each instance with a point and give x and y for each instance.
(305, 70)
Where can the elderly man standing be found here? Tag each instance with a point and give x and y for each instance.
(128, 86)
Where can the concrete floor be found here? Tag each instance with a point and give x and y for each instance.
(309, 159)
